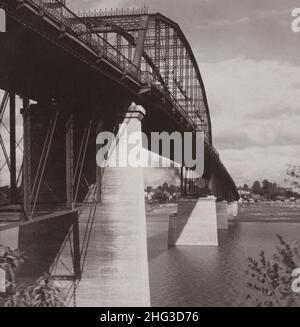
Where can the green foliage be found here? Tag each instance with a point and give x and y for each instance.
(161, 195)
(43, 293)
(269, 281)
(246, 187)
(293, 172)
(257, 189)
(270, 191)
(10, 260)
(163, 192)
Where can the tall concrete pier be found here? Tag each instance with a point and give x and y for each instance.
(195, 223)
(116, 266)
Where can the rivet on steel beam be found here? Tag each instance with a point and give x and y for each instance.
(124, 77)
(99, 59)
(42, 13)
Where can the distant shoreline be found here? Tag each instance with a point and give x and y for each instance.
(264, 212)
(280, 212)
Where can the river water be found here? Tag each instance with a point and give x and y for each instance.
(208, 276)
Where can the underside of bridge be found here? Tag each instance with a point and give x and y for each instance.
(77, 75)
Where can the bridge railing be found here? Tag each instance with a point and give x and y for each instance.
(114, 12)
(64, 16)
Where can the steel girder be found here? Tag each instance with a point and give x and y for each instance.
(167, 55)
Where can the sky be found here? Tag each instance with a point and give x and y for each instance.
(250, 63)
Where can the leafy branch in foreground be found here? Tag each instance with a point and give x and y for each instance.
(270, 281)
(43, 293)
(10, 260)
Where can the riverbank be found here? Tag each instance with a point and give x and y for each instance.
(269, 212)
(256, 212)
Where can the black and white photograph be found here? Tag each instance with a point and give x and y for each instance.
(149, 156)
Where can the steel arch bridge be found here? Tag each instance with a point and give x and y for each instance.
(146, 55)
(72, 66)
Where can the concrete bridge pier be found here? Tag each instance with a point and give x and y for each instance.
(223, 214)
(235, 209)
(226, 214)
(233, 212)
(115, 272)
(195, 223)
(198, 221)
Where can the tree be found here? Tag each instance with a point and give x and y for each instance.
(270, 281)
(293, 172)
(10, 260)
(43, 293)
(246, 187)
(266, 185)
(149, 189)
(173, 189)
(160, 195)
(267, 188)
(256, 188)
(165, 187)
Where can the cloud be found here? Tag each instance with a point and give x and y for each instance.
(100, 4)
(249, 89)
(157, 176)
(244, 87)
(254, 163)
(280, 15)
(255, 114)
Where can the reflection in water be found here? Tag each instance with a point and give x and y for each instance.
(208, 276)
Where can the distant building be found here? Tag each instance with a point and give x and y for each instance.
(243, 192)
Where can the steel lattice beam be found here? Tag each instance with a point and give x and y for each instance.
(166, 47)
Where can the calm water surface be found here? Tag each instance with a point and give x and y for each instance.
(208, 276)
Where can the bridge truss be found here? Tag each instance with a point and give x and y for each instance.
(148, 50)
(162, 51)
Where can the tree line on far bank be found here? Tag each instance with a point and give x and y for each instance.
(269, 190)
(162, 193)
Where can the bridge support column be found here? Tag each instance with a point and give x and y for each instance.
(233, 212)
(13, 172)
(235, 209)
(195, 223)
(26, 159)
(115, 272)
(223, 214)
